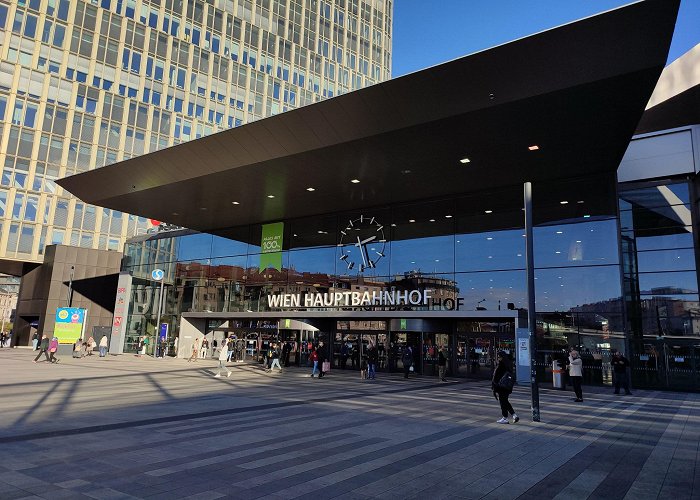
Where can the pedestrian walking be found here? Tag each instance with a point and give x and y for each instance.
(313, 357)
(620, 364)
(35, 341)
(53, 348)
(3, 339)
(195, 351)
(223, 355)
(442, 363)
(407, 360)
(322, 359)
(372, 358)
(286, 351)
(576, 374)
(175, 345)
(275, 356)
(502, 383)
(103, 346)
(43, 349)
(230, 348)
(141, 346)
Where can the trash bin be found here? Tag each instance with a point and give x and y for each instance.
(557, 375)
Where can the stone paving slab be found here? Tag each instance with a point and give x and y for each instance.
(124, 427)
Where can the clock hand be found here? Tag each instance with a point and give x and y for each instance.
(368, 240)
(362, 251)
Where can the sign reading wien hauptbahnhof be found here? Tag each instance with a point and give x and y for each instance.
(369, 300)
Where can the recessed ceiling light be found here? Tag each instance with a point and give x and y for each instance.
(310, 189)
(563, 202)
(406, 172)
(534, 147)
(489, 238)
(235, 203)
(432, 220)
(448, 217)
(411, 220)
(560, 232)
(270, 195)
(355, 181)
(464, 160)
(586, 216)
(294, 234)
(579, 201)
(175, 213)
(578, 241)
(393, 225)
(203, 208)
(488, 211)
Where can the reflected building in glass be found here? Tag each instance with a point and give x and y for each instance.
(407, 233)
(84, 84)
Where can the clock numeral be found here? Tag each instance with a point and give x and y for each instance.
(379, 253)
(351, 265)
(380, 228)
(371, 220)
(351, 224)
(343, 233)
(343, 257)
(371, 263)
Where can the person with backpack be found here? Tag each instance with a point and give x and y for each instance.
(502, 383)
(407, 360)
(313, 358)
(275, 357)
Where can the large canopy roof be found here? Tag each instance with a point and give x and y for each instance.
(576, 91)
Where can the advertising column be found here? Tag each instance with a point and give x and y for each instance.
(121, 314)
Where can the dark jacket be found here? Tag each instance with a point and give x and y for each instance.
(407, 356)
(620, 363)
(442, 360)
(372, 355)
(322, 354)
(44, 343)
(504, 366)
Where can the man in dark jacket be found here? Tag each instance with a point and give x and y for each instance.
(372, 358)
(322, 356)
(407, 360)
(620, 365)
(43, 349)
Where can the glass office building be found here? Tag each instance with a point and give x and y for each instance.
(410, 230)
(84, 84)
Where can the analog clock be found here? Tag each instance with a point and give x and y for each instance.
(362, 243)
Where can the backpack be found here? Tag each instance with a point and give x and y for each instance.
(507, 382)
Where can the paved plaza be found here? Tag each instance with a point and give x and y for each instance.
(128, 427)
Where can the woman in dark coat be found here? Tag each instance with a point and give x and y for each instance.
(501, 389)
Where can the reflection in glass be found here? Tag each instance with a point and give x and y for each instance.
(589, 243)
(565, 288)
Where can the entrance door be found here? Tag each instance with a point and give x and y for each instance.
(399, 342)
(431, 345)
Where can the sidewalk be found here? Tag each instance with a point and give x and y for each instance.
(126, 427)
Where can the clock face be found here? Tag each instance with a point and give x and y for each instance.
(362, 243)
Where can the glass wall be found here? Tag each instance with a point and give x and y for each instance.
(660, 282)
(468, 251)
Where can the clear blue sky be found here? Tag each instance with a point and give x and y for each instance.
(459, 27)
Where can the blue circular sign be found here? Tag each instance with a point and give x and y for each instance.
(157, 274)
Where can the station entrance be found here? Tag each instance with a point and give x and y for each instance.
(470, 341)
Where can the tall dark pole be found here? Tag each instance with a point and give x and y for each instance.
(70, 287)
(531, 315)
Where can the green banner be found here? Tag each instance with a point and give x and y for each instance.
(271, 246)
